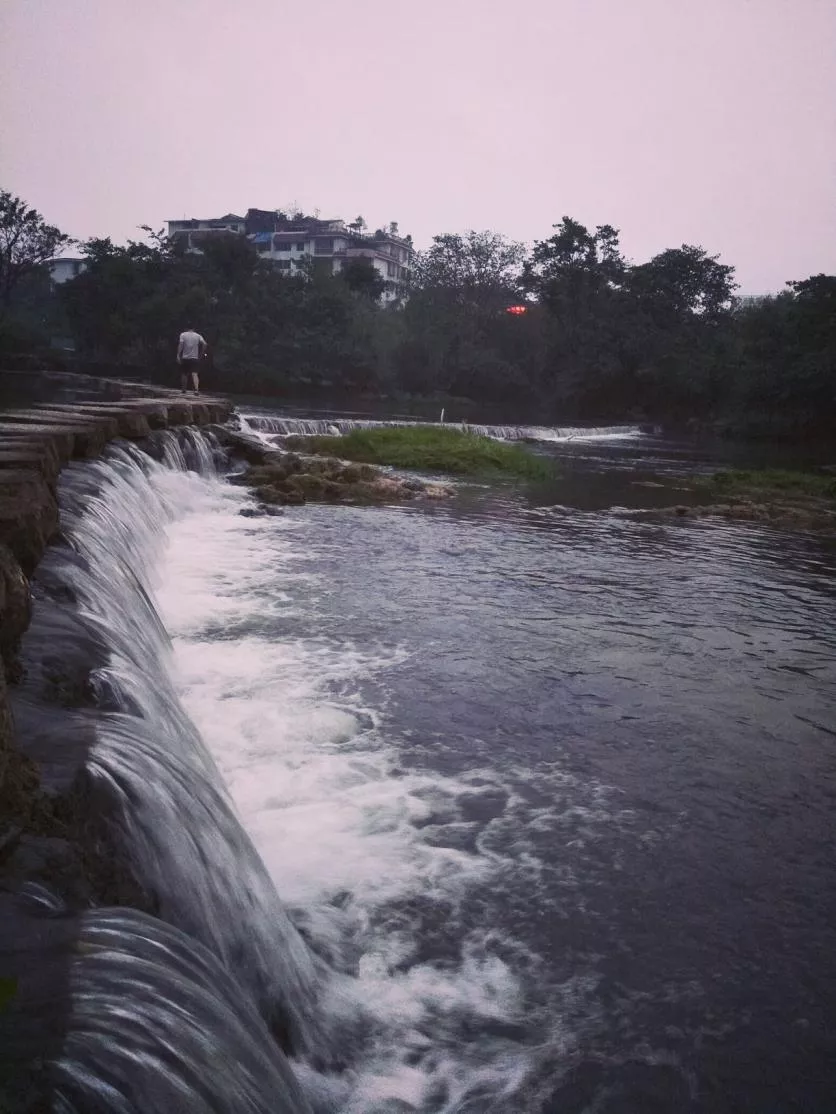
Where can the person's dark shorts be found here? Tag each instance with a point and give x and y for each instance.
(187, 366)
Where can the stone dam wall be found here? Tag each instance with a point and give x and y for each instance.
(39, 832)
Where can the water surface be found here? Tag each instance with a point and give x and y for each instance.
(552, 786)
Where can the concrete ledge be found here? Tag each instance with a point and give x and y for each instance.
(36, 441)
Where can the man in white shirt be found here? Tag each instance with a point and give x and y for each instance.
(190, 351)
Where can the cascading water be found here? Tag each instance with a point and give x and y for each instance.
(326, 1004)
(314, 427)
(159, 1024)
(174, 821)
(492, 755)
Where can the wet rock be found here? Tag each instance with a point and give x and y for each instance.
(243, 445)
(271, 495)
(67, 683)
(355, 473)
(28, 520)
(288, 479)
(811, 515)
(261, 510)
(15, 610)
(64, 843)
(19, 780)
(9, 839)
(35, 856)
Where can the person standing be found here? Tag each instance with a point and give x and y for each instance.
(190, 351)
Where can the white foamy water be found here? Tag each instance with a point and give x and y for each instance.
(272, 426)
(313, 777)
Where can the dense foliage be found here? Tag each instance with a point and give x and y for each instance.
(600, 338)
(26, 243)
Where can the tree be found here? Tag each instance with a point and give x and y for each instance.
(684, 280)
(575, 264)
(578, 276)
(27, 242)
(362, 277)
(478, 269)
(456, 325)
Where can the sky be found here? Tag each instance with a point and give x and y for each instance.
(710, 123)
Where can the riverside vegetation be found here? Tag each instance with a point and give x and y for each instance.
(429, 449)
(602, 338)
(341, 469)
(790, 500)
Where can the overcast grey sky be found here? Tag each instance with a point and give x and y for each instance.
(711, 123)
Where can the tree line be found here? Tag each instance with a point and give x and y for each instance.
(566, 330)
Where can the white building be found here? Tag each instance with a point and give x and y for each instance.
(290, 242)
(65, 268)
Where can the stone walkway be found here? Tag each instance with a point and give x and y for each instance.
(35, 444)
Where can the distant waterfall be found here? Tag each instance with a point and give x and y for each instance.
(311, 427)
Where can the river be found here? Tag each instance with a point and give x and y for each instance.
(548, 786)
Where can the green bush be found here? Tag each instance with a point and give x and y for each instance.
(431, 449)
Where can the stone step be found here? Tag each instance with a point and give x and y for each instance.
(84, 438)
(131, 422)
(29, 456)
(60, 442)
(38, 415)
(37, 441)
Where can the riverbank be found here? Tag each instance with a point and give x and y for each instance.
(790, 500)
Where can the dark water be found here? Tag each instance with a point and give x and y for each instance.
(683, 682)
(546, 787)
(625, 727)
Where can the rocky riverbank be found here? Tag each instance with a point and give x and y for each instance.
(787, 500)
(281, 478)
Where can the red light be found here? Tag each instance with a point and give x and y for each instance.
(516, 310)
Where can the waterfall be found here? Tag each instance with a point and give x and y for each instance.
(314, 427)
(156, 1022)
(224, 935)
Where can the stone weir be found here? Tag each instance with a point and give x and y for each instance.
(35, 444)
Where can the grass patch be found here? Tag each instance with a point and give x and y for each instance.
(430, 449)
(773, 483)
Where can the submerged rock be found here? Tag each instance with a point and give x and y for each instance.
(260, 510)
(808, 515)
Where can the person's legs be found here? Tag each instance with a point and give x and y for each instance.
(188, 374)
